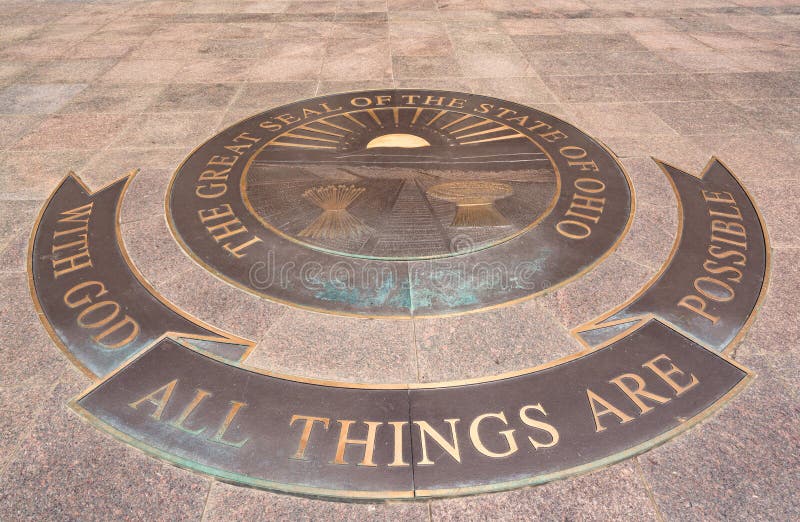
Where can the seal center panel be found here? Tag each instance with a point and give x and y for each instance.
(400, 183)
(400, 203)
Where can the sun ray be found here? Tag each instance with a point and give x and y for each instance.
(416, 115)
(353, 119)
(300, 145)
(472, 126)
(456, 121)
(497, 138)
(441, 113)
(320, 131)
(329, 124)
(374, 116)
(481, 133)
(311, 138)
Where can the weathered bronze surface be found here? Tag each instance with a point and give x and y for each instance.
(710, 286)
(363, 442)
(95, 304)
(400, 202)
(272, 454)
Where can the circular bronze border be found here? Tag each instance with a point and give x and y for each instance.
(408, 314)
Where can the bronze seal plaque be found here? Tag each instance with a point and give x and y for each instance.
(398, 203)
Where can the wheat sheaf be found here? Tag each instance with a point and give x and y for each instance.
(474, 202)
(335, 222)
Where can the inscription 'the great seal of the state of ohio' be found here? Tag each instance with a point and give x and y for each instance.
(399, 202)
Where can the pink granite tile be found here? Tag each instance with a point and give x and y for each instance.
(510, 338)
(74, 131)
(338, 348)
(614, 119)
(35, 174)
(737, 465)
(227, 502)
(615, 493)
(68, 470)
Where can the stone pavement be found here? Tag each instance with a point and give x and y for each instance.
(104, 87)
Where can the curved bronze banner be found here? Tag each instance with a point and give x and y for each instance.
(91, 299)
(710, 286)
(203, 413)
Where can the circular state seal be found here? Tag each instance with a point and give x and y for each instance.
(396, 203)
(400, 204)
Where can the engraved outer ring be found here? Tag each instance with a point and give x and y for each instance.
(541, 256)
